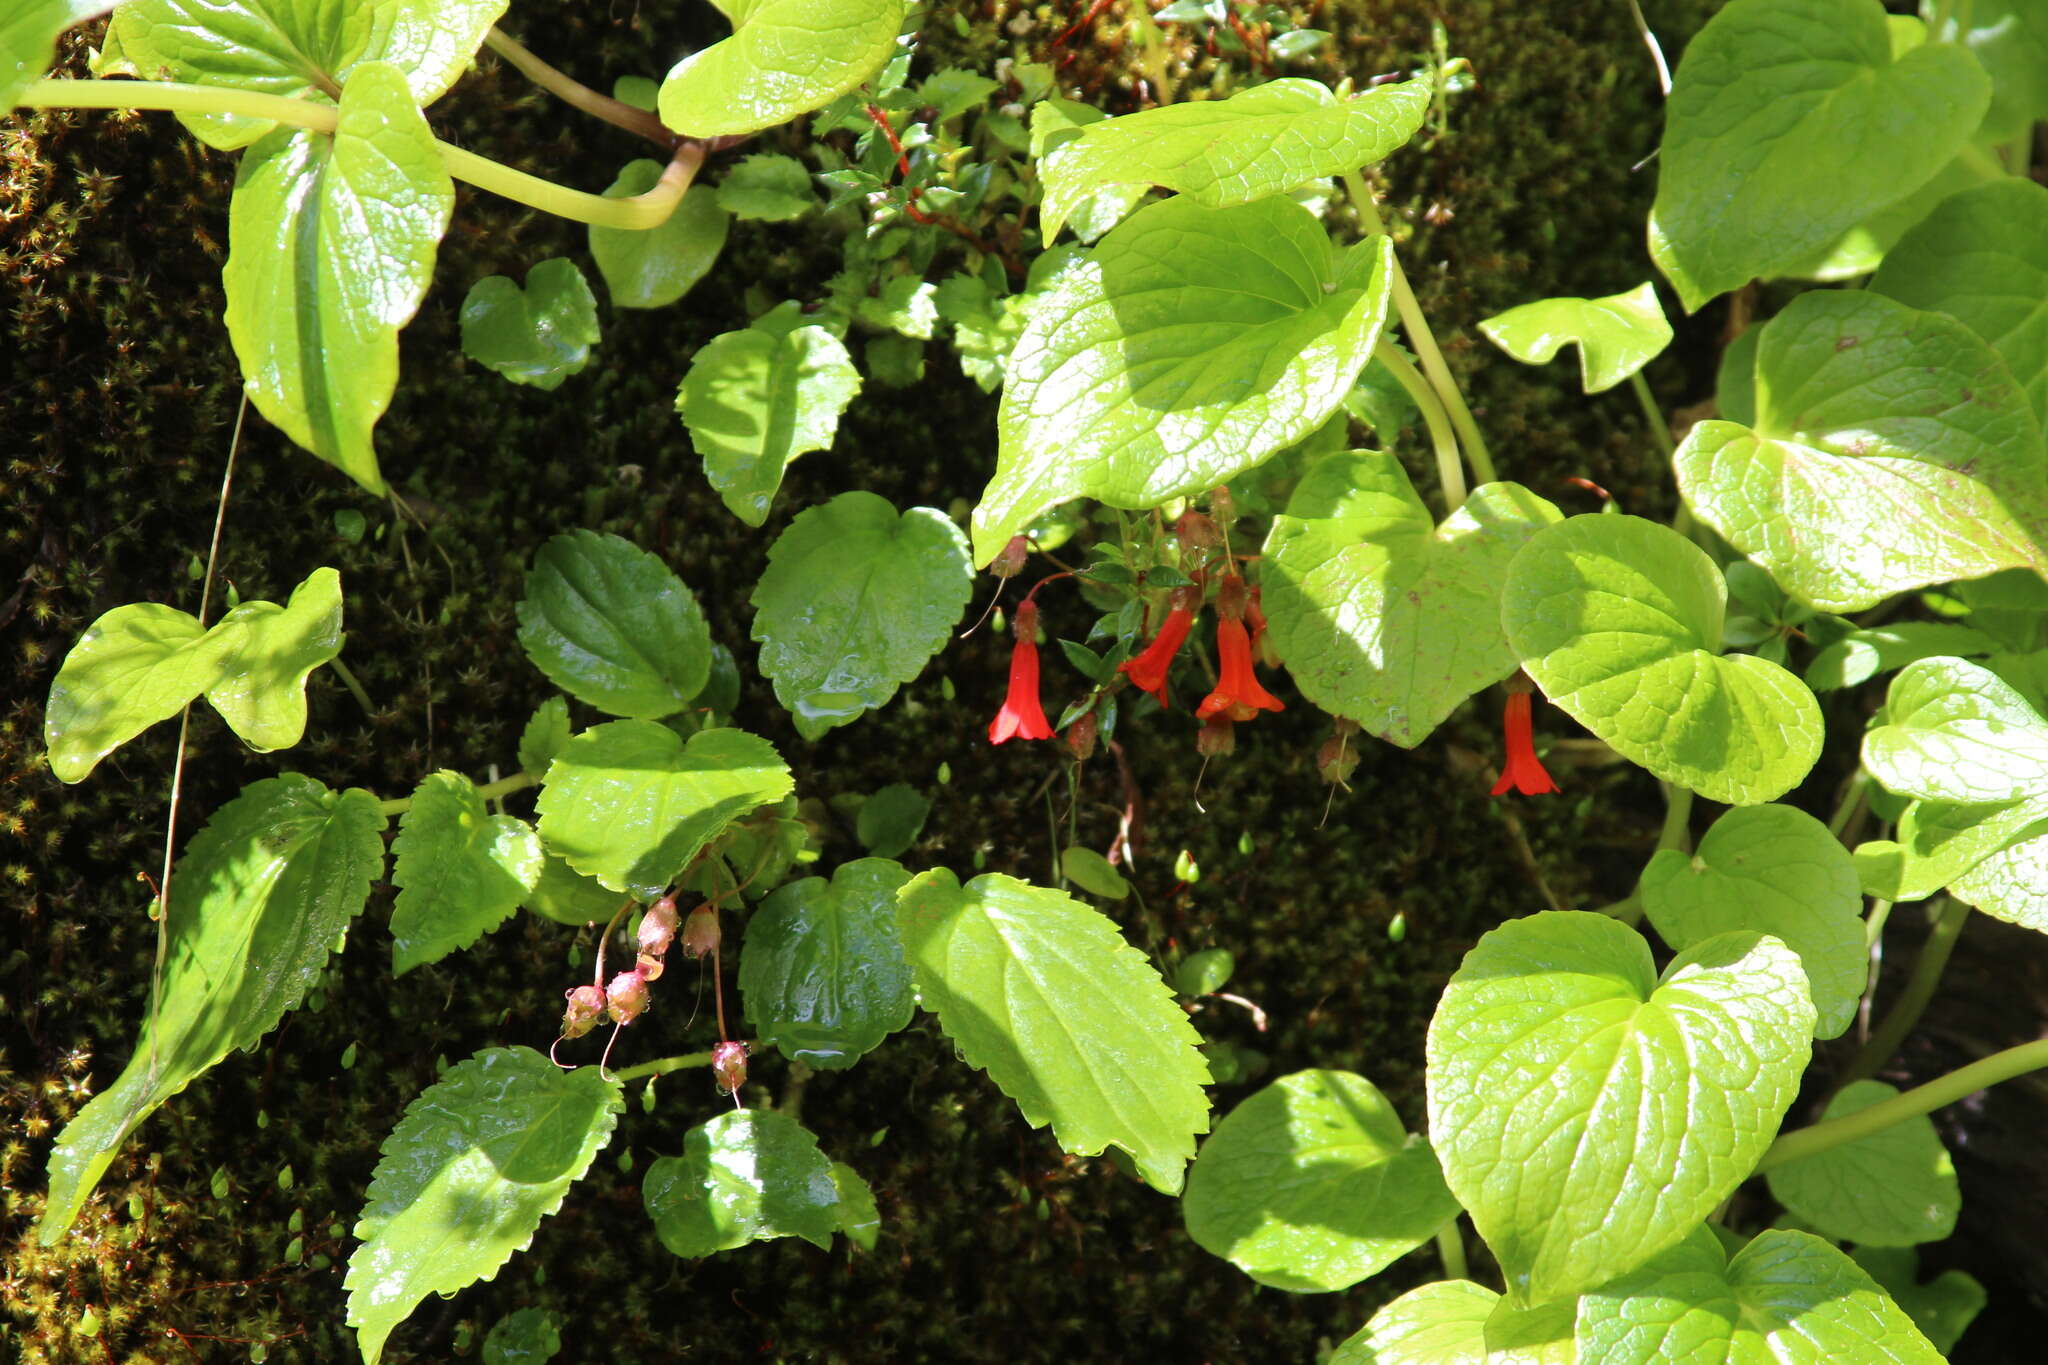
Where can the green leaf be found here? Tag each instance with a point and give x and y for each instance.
(1057, 123)
(459, 869)
(2011, 883)
(28, 40)
(566, 896)
(747, 1176)
(653, 267)
(1260, 142)
(260, 898)
(1205, 972)
(608, 623)
(1863, 654)
(1980, 258)
(1890, 450)
(1789, 123)
(1942, 1308)
(1787, 1298)
(544, 736)
(1616, 335)
(331, 244)
(539, 335)
(1072, 1023)
(630, 804)
(1941, 841)
(891, 819)
(757, 399)
(1443, 1323)
(784, 58)
(1893, 1188)
(859, 1219)
(1383, 616)
(855, 600)
(1092, 872)
(767, 188)
(261, 691)
(1191, 344)
(480, 1157)
(1956, 731)
(1312, 1184)
(821, 972)
(2010, 39)
(1778, 871)
(526, 1336)
(1588, 1113)
(952, 92)
(1619, 622)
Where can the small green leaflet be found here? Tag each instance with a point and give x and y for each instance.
(856, 599)
(755, 400)
(1956, 731)
(1072, 1023)
(608, 623)
(1260, 142)
(1893, 1188)
(141, 663)
(1383, 616)
(891, 819)
(1861, 655)
(630, 804)
(1188, 346)
(480, 1157)
(767, 188)
(1093, 873)
(331, 244)
(459, 870)
(1312, 1184)
(1788, 1298)
(1589, 1113)
(653, 267)
(784, 58)
(544, 736)
(260, 898)
(1616, 335)
(1940, 842)
(1891, 449)
(747, 1176)
(1619, 622)
(821, 972)
(539, 335)
(1942, 1308)
(1768, 152)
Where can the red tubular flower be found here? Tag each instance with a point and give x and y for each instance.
(1523, 771)
(1238, 693)
(1150, 667)
(1022, 717)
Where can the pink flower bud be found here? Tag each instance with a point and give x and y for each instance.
(1222, 506)
(658, 927)
(1338, 758)
(700, 932)
(626, 996)
(1218, 735)
(729, 1066)
(1197, 531)
(586, 1003)
(1009, 561)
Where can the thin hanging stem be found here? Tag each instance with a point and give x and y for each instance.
(355, 687)
(1656, 50)
(1450, 1246)
(573, 92)
(1920, 988)
(1660, 430)
(1449, 471)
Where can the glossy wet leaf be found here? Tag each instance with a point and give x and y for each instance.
(1942, 1308)
(611, 625)
(331, 243)
(1589, 1113)
(747, 1176)
(755, 400)
(1616, 335)
(1778, 871)
(784, 58)
(891, 819)
(259, 899)
(1312, 1184)
(653, 267)
(1955, 731)
(1442, 1323)
(1071, 1022)
(545, 734)
(1188, 346)
(1790, 122)
(767, 187)
(566, 896)
(480, 1157)
(1262, 141)
(1619, 622)
(1891, 449)
(629, 803)
(821, 972)
(857, 598)
(261, 691)
(460, 871)
(539, 335)
(1892, 1188)
(1382, 615)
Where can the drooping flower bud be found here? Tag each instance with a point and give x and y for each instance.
(626, 996)
(1009, 561)
(1337, 759)
(701, 935)
(586, 1004)
(1081, 736)
(1197, 532)
(658, 927)
(1218, 735)
(729, 1066)
(1222, 506)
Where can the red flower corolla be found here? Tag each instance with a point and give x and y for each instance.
(1523, 771)
(1150, 667)
(1238, 694)
(1022, 717)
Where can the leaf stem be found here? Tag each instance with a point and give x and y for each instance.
(489, 791)
(355, 687)
(573, 92)
(1660, 429)
(661, 1066)
(1450, 1248)
(1449, 471)
(1677, 830)
(1920, 988)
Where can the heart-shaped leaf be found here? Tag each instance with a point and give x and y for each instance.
(1955, 731)
(821, 972)
(746, 1176)
(755, 400)
(653, 267)
(1893, 1188)
(1942, 1308)
(784, 58)
(891, 819)
(261, 690)
(1616, 335)
(539, 335)
(610, 624)
(459, 870)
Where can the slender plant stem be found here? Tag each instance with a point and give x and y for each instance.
(1629, 909)
(1873, 923)
(1851, 805)
(1449, 471)
(489, 791)
(1920, 988)
(355, 686)
(1660, 429)
(1656, 50)
(1450, 1247)
(1924, 1099)
(573, 92)
(1677, 830)
(661, 1066)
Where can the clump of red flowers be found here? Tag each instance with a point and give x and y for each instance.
(1022, 716)
(1523, 771)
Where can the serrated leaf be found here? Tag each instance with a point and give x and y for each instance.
(1260, 142)
(539, 335)
(821, 972)
(1778, 871)
(630, 804)
(1942, 1308)
(1790, 122)
(1619, 622)
(480, 1157)
(261, 691)
(526, 1336)
(259, 899)
(331, 244)
(1191, 344)
(653, 267)
(747, 1176)
(891, 820)
(1863, 654)
(1616, 335)
(1588, 1113)
(1443, 1323)
(784, 58)
(755, 400)
(544, 736)
(952, 91)
(459, 870)
(1892, 1188)
(767, 188)
(1383, 616)
(611, 625)
(1955, 731)
(859, 1219)
(1891, 449)
(1787, 1298)
(1312, 1184)
(1067, 1018)
(856, 599)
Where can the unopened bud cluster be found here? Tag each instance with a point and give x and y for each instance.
(624, 997)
